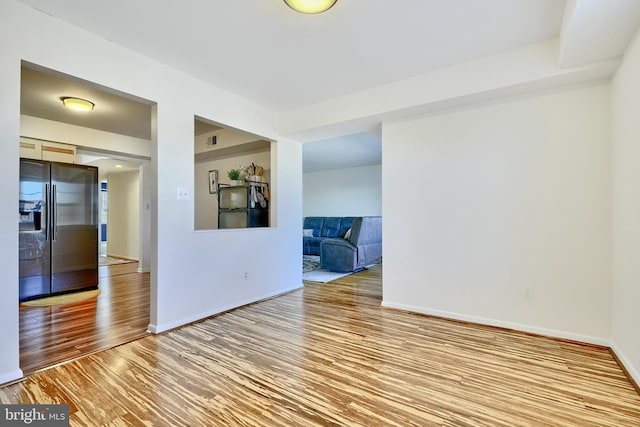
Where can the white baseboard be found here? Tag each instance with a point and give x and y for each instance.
(502, 324)
(123, 257)
(631, 370)
(156, 329)
(11, 376)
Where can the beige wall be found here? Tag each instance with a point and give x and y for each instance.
(225, 138)
(206, 204)
(123, 215)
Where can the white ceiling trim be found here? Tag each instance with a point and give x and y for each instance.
(521, 70)
(594, 30)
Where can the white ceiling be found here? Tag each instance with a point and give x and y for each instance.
(264, 51)
(107, 164)
(285, 61)
(41, 90)
(361, 149)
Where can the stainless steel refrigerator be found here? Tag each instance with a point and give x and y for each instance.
(58, 227)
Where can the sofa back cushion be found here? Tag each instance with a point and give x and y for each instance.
(345, 225)
(328, 226)
(314, 223)
(336, 226)
(331, 227)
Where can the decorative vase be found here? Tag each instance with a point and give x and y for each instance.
(234, 182)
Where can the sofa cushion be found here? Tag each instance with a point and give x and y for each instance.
(323, 228)
(331, 227)
(313, 241)
(311, 245)
(338, 255)
(345, 225)
(315, 223)
(336, 226)
(361, 248)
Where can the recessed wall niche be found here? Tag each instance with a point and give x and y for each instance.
(220, 201)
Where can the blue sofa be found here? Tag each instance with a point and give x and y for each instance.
(344, 243)
(322, 228)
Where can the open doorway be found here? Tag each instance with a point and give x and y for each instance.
(120, 201)
(116, 132)
(342, 186)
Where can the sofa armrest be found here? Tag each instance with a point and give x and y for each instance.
(366, 230)
(338, 255)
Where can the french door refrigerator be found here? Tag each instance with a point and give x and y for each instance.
(58, 228)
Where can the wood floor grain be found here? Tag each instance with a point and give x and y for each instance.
(50, 335)
(330, 355)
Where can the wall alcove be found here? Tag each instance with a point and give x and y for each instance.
(218, 148)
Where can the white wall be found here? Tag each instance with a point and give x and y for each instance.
(9, 170)
(206, 211)
(512, 196)
(213, 284)
(146, 188)
(626, 211)
(343, 192)
(123, 215)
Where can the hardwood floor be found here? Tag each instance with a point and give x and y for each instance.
(50, 335)
(330, 355)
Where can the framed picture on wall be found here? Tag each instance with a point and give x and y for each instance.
(213, 181)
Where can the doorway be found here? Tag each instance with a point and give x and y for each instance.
(49, 335)
(120, 199)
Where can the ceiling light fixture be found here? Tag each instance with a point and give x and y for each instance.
(310, 6)
(77, 104)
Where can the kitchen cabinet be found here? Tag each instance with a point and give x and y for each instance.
(30, 149)
(46, 150)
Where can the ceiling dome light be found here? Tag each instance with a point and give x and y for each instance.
(310, 6)
(77, 103)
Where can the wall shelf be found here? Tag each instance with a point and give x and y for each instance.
(243, 206)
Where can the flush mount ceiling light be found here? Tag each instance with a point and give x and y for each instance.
(310, 6)
(77, 104)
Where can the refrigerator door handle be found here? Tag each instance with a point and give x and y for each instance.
(54, 212)
(47, 213)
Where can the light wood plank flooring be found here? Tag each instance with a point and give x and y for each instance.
(330, 355)
(50, 335)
